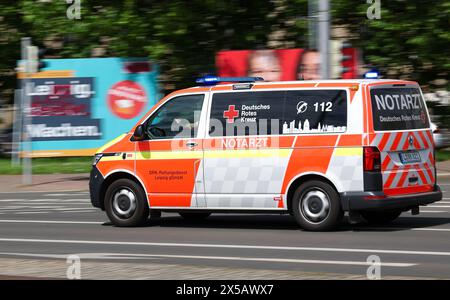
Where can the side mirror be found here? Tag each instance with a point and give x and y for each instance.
(138, 134)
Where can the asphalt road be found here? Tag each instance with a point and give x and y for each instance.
(50, 226)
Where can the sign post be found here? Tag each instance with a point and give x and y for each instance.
(26, 113)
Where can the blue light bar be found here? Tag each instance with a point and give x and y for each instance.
(211, 80)
(372, 75)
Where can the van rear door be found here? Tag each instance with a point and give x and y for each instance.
(404, 138)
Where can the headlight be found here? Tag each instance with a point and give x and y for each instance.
(97, 158)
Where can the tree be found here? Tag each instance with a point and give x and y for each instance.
(410, 40)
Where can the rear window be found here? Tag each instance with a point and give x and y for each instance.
(398, 109)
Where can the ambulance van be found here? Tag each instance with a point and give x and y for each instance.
(312, 149)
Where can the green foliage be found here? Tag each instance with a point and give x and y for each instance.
(54, 165)
(411, 39)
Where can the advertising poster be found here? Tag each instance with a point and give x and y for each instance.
(77, 105)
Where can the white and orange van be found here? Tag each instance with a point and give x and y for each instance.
(312, 149)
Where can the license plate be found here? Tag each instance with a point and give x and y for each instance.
(410, 157)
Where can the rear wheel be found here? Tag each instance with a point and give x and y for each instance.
(380, 217)
(126, 203)
(194, 215)
(316, 206)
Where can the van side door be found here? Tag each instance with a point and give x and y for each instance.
(244, 163)
(168, 159)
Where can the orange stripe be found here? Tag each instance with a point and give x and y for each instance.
(424, 140)
(368, 110)
(306, 161)
(406, 143)
(404, 175)
(384, 140)
(283, 85)
(431, 158)
(397, 139)
(430, 174)
(391, 177)
(423, 177)
(350, 140)
(386, 163)
(416, 143)
(430, 137)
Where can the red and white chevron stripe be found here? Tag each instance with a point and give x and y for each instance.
(395, 174)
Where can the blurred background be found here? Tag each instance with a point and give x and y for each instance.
(98, 66)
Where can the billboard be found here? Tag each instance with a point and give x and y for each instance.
(286, 64)
(77, 105)
(272, 65)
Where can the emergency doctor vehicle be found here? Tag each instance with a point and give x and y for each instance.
(312, 149)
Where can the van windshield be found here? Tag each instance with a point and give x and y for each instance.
(398, 109)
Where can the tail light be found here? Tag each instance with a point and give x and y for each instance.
(372, 159)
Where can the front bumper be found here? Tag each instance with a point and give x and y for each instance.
(379, 201)
(95, 183)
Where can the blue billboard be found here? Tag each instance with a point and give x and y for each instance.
(77, 105)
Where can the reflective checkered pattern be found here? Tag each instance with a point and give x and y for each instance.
(242, 201)
(244, 175)
(347, 171)
(248, 182)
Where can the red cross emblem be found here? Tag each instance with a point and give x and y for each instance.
(230, 114)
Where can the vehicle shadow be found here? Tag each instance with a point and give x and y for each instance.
(287, 222)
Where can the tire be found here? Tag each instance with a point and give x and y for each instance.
(380, 217)
(194, 216)
(316, 206)
(126, 204)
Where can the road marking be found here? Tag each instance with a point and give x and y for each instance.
(235, 258)
(440, 206)
(79, 211)
(29, 212)
(433, 211)
(398, 228)
(46, 192)
(58, 195)
(49, 222)
(227, 246)
(430, 229)
(12, 200)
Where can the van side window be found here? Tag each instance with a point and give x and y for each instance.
(278, 112)
(315, 111)
(177, 118)
(246, 113)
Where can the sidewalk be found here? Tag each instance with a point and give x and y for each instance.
(44, 183)
(443, 168)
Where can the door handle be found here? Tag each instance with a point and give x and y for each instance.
(191, 144)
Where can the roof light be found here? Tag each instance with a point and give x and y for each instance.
(211, 80)
(372, 74)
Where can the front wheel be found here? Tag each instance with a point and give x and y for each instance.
(126, 203)
(380, 217)
(316, 206)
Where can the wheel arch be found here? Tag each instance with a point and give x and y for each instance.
(116, 175)
(299, 180)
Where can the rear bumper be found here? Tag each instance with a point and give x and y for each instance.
(379, 201)
(95, 182)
